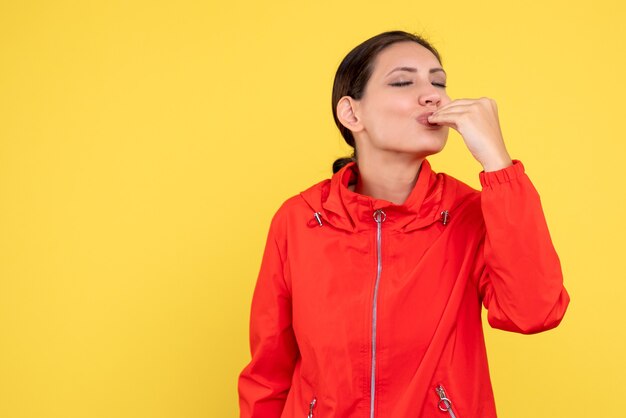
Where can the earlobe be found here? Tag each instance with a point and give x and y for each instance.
(346, 113)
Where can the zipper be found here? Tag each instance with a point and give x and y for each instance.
(445, 404)
(311, 406)
(379, 217)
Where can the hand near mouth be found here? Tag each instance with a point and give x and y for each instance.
(477, 122)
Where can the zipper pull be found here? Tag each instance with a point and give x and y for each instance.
(318, 217)
(311, 406)
(442, 399)
(444, 404)
(379, 216)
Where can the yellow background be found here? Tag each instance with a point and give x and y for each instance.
(144, 147)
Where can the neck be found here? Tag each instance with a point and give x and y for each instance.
(391, 177)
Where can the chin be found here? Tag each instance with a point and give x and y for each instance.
(431, 146)
(429, 152)
(421, 145)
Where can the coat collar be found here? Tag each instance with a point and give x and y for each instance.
(334, 203)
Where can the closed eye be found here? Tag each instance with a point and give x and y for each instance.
(406, 83)
(401, 83)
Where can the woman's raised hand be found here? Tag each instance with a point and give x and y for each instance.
(477, 122)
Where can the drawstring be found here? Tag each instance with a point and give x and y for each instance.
(316, 221)
(445, 216)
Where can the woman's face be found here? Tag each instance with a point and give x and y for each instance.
(407, 81)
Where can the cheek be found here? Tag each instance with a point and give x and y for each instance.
(397, 106)
(386, 108)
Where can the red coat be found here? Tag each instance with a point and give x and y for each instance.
(364, 308)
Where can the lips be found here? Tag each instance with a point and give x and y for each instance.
(423, 119)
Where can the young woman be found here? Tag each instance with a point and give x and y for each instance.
(368, 301)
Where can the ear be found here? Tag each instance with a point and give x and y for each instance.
(347, 113)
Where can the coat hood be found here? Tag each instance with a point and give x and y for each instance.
(432, 199)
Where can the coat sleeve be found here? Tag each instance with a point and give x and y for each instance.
(265, 381)
(520, 279)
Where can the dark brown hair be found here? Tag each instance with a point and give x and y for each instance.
(356, 69)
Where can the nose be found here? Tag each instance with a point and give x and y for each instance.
(430, 98)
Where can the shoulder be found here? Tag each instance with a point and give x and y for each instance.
(462, 201)
(300, 205)
(305, 200)
(457, 192)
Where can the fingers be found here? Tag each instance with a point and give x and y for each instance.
(454, 109)
(458, 101)
(449, 113)
(484, 101)
(465, 106)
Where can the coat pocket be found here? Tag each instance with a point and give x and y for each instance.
(445, 403)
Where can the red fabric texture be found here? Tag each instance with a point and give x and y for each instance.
(312, 315)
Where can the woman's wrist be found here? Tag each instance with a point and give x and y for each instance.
(497, 163)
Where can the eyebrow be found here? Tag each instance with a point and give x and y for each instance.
(414, 70)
